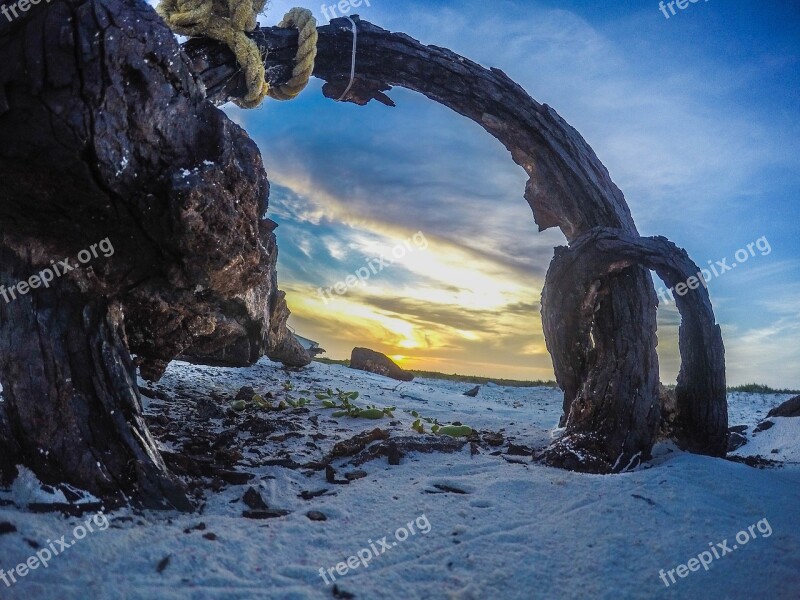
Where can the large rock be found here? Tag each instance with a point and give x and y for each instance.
(790, 408)
(365, 359)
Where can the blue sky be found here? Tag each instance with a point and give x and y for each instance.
(695, 116)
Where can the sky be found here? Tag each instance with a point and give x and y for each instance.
(695, 116)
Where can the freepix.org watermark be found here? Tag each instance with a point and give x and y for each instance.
(22, 6)
(374, 266)
(44, 555)
(56, 269)
(716, 269)
(363, 557)
(344, 7)
(717, 551)
(681, 4)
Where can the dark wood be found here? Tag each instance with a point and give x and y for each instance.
(612, 375)
(71, 409)
(576, 289)
(569, 188)
(105, 132)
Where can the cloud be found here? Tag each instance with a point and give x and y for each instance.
(702, 142)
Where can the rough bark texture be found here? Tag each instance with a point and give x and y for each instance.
(105, 132)
(614, 378)
(576, 287)
(71, 407)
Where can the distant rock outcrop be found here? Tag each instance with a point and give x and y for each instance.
(790, 408)
(365, 359)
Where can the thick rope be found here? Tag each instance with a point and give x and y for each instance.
(302, 20)
(228, 21)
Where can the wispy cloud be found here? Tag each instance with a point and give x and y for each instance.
(698, 129)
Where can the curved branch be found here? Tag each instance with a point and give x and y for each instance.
(576, 281)
(614, 371)
(569, 188)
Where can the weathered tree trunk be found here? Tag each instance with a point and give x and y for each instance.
(71, 406)
(105, 132)
(609, 368)
(578, 340)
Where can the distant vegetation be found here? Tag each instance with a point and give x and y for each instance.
(330, 361)
(750, 388)
(455, 377)
(757, 388)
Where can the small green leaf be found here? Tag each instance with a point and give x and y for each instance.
(371, 413)
(239, 405)
(456, 430)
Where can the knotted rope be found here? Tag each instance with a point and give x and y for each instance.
(228, 21)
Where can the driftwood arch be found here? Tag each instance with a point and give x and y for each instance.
(603, 339)
(106, 131)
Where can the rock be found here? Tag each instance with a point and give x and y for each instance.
(738, 429)
(315, 515)
(352, 476)
(264, 514)
(493, 439)
(254, 500)
(330, 474)
(162, 564)
(340, 593)
(233, 477)
(763, 426)
(357, 443)
(310, 495)
(393, 454)
(208, 409)
(473, 392)
(790, 408)
(246, 393)
(735, 441)
(368, 360)
(519, 450)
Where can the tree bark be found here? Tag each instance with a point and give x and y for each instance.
(71, 409)
(573, 329)
(105, 132)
